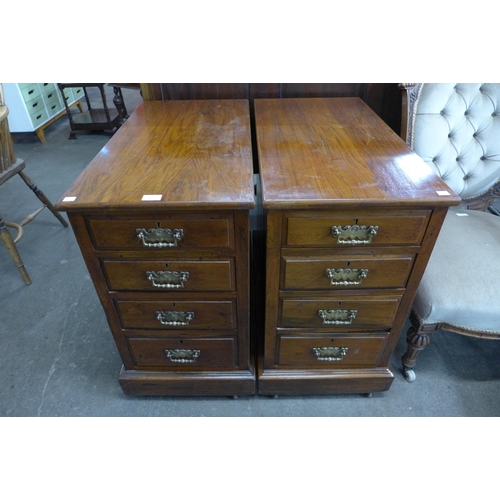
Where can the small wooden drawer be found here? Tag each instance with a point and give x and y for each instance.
(30, 92)
(161, 234)
(35, 106)
(47, 87)
(68, 94)
(334, 273)
(50, 97)
(390, 230)
(53, 108)
(39, 117)
(337, 314)
(170, 276)
(192, 354)
(330, 352)
(181, 314)
(78, 92)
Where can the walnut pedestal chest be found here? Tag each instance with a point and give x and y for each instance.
(162, 219)
(352, 217)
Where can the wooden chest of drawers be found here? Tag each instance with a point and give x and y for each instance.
(352, 217)
(162, 219)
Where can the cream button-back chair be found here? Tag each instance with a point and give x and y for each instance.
(455, 129)
(10, 166)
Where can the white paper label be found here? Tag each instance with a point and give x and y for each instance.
(443, 193)
(462, 215)
(152, 197)
(69, 198)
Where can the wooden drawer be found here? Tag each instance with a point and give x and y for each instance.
(53, 108)
(78, 93)
(181, 314)
(196, 233)
(340, 313)
(327, 273)
(193, 354)
(35, 106)
(39, 117)
(170, 276)
(50, 97)
(30, 91)
(391, 230)
(47, 87)
(330, 352)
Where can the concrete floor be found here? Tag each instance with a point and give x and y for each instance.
(57, 356)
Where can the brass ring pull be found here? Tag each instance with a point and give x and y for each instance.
(167, 279)
(354, 235)
(174, 318)
(330, 353)
(346, 277)
(158, 237)
(337, 316)
(182, 355)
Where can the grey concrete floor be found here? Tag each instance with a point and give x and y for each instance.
(57, 356)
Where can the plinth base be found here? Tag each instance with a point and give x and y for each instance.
(213, 383)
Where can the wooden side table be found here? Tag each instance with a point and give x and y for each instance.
(97, 119)
(352, 217)
(162, 219)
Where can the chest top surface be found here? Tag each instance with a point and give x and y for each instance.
(192, 154)
(319, 152)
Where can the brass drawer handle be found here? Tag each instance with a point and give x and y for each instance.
(354, 235)
(157, 237)
(167, 279)
(346, 277)
(330, 353)
(182, 355)
(174, 318)
(337, 316)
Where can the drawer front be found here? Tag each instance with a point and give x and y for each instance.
(330, 352)
(39, 117)
(170, 276)
(192, 354)
(53, 108)
(159, 234)
(324, 273)
(50, 97)
(68, 94)
(390, 230)
(35, 106)
(181, 314)
(47, 87)
(30, 92)
(78, 92)
(337, 314)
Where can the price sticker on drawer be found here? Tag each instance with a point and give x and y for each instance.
(152, 197)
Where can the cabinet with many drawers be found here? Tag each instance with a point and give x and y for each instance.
(164, 231)
(352, 217)
(35, 106)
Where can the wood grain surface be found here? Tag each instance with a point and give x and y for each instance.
(313, 152)
(192, 153)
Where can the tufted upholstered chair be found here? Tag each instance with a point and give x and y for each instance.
(455, 129)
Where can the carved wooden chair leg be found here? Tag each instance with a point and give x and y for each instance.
(10, 244)
(417, 340)
(41, 196)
